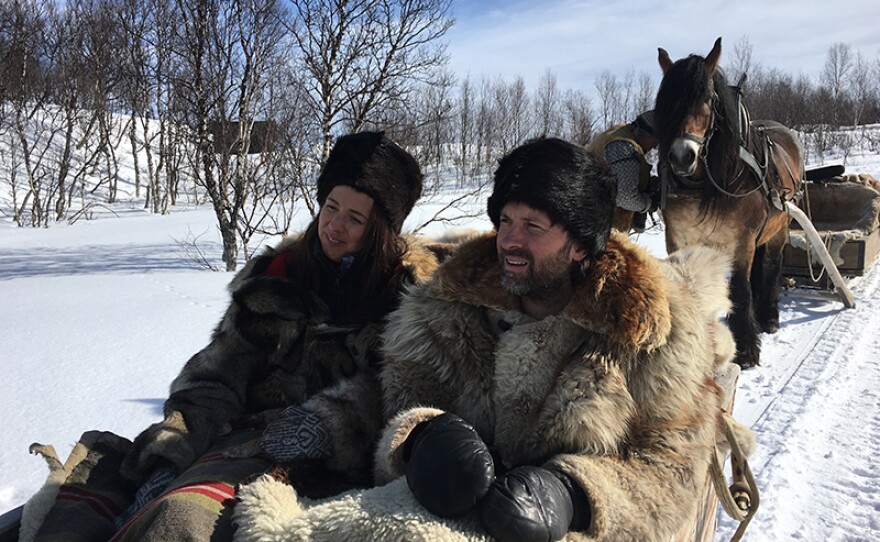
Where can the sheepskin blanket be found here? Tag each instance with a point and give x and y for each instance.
(842, 211)
(269, 510)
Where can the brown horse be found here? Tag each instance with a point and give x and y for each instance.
(726, 180)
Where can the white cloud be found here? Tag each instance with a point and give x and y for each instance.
(580, 39)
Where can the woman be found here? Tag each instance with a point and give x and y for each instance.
(302, 334)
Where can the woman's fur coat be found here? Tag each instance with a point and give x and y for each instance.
(277, 345)
(617, 391)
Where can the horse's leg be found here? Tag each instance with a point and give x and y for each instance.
(741, 318)
(767, 283)
(756, 276)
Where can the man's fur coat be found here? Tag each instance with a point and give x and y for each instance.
(617, 391)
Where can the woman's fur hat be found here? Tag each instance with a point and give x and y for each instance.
(371, 163)
(563, 180)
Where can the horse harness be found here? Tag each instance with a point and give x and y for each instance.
(764, 148)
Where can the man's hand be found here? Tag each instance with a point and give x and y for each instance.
(448, 466)
(532, 504)
(655, 192)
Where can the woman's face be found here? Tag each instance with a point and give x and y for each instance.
(343, 221)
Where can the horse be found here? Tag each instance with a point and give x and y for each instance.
(725, 181)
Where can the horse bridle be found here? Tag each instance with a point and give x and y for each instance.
(703, 142)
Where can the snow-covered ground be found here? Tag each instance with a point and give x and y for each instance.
(97, 319)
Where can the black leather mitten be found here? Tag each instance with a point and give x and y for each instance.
(533, 504)
(448, 466)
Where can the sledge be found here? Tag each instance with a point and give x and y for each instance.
(699, 528)
(9, 524)
(844, 210)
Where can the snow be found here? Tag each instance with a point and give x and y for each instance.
(98, 318)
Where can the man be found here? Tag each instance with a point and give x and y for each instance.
(623, 149)
(551, 379)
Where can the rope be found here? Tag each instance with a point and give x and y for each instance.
(826, 240)
(740, 500)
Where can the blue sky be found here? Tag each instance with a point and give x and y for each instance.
(578, 39)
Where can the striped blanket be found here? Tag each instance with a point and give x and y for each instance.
(197, 505)
(81, 498)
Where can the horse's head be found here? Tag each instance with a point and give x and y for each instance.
(690, 109)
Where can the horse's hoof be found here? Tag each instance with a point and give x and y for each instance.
(746, 363)
(770, 327)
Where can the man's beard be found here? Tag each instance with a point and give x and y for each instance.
(542, 280)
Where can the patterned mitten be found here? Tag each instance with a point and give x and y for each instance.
(298, 434)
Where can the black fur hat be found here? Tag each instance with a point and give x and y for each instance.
(563, 180)
(645, 122)
(373, 164)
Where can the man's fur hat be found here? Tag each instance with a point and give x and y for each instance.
(563, 180)
(373, 164)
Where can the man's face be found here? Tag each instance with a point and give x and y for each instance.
(535, 255)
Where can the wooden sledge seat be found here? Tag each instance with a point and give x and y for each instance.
(845, 211)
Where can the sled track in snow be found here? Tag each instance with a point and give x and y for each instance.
(815, 407)
(784, 379)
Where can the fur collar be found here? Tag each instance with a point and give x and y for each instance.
(622, 297)
(418, 259)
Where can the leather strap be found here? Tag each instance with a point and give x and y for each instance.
(740, 500)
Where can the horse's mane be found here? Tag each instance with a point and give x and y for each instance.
(683, 88)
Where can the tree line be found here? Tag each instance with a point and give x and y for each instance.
(235, 103)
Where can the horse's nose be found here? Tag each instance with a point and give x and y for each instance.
(688, 156)
(683, 157)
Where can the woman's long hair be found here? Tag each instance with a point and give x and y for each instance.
(381, 255)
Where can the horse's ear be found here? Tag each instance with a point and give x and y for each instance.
(713, 57)
(663, 57)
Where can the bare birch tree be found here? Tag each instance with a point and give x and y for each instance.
(363, 55)
(547, 103)
(30, 45)
(608, 89)
(520, 110)
(645, 93)
(742, 61)
(837, 68)
(466, 128)
(863, 88)
(436, 118)
(229, 47)
(580, 121)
